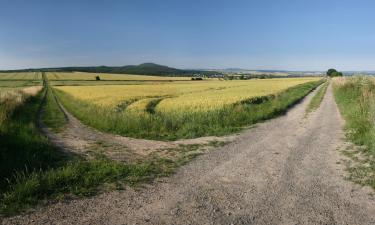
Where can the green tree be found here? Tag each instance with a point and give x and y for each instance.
(330, 72)
(334, 73)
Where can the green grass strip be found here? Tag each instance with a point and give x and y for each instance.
(53, 117)
(79, 178)
(317, 99)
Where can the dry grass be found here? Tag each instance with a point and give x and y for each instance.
(10, 98)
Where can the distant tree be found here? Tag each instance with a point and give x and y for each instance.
(333, 73)
(97, 78)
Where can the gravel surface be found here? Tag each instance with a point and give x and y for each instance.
(283, 171)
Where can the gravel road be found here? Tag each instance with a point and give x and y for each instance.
(284, 171)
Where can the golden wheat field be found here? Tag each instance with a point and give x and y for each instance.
(181, 96)
(61, 76)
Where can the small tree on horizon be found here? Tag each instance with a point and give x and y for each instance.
(334, 73)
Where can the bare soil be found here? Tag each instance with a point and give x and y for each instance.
(284, 171)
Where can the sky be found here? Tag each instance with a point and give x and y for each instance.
(250, 34)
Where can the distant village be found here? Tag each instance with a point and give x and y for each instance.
(247, 75)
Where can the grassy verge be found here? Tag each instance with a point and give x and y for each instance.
(22, 148)
(317, 99)
(356, 100)
(176, 125)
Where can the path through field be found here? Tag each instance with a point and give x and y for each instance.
(284, 171)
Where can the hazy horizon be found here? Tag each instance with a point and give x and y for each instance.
(268, 35)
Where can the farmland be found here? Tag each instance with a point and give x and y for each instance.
(90, 79)
(161, 111)
(82, 76)
(182, 109)
(162, 108)
(184, 96)
(13, 80)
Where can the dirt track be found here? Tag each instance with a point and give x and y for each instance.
(284, 171)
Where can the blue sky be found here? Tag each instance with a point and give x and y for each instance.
(262, 34)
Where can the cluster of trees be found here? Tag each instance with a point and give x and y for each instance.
(334, 73)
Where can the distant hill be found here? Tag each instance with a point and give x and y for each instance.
(145, 68)
(142, 69)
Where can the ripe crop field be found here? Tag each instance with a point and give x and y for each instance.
(182, 109)
(184, 96)
(64, 76)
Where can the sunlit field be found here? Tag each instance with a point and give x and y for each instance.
(182, 109)
(82, 76)
(190, 96)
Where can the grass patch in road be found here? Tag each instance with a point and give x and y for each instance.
(317, 99)
(53, 116)
(355, 98)
(174, 125)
